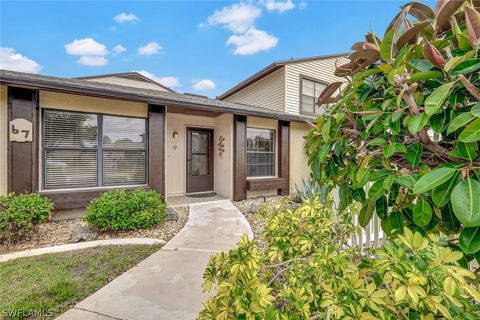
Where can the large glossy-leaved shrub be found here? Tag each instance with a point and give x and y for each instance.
(126, 210)
(19, 213)
(308, 271)
(402, 136)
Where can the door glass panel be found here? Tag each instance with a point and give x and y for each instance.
(199, 142)
(199, 164)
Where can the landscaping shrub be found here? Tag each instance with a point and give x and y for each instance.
(406, 124)
(126, 210)
(20, 213)
(308, 271)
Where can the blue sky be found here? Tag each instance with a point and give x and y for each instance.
(204, 47)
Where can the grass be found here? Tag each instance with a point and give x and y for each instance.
(50, 284)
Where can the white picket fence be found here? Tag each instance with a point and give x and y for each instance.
(372, 236)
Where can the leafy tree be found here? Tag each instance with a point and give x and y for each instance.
(406, 124)
(308, 271)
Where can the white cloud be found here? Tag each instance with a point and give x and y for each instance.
(150, 48)
(91, 52)
(92, 61)
(204, 84)
(11, 60)
(118, 49)
(168, 81)
(86, 47)
(252, 41)
(280, 6)
(237, 18)
(302, 4)
(125, 17)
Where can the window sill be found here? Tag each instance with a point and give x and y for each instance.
(266, 184)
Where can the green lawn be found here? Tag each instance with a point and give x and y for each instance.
(50, 284)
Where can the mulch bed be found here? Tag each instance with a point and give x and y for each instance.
(58, 232)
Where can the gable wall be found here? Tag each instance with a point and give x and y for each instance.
(268, 92)
(319, 69)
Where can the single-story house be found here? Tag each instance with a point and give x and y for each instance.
(71, 139)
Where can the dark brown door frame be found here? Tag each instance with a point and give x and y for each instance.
(204, 183)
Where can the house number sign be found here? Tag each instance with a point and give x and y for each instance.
(21, 130)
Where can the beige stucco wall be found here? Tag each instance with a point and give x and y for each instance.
(298, 159)
(224, 162)
(322, 69)
(176, 157)
(3, 139)
(268, 92)
(72, 102)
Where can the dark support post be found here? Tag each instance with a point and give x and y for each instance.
(23, 156)
(239, 157)
(156, 148)
(284, 155)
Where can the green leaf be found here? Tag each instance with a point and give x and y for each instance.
(405, 180)
(433, 179)
(435, 100)
(421, 65)
(471, 133)
(441, 194)
(466, 67)
(388, 150)
(388, 182)
(386, 47)
(322, 152)
(417, 123)
(344, 196)
(425, 75)
(470, 240)
(376, 142)
(400, 148)
(366, 214)
(414, 154)
(437, 122)
(476, 110)
(422, 213)
(459, 121)
(465, 199)
(376, 190)
(395, 220)
(466, 151)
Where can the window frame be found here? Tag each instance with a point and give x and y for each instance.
(274, 152)
(300, 107)
(99, 152)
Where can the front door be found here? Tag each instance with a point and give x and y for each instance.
(199, 160)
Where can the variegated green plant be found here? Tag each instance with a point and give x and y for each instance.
(406, 124)
(308, 271)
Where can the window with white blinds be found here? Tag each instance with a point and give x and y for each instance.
(88, 150)
(260, 152)
(311, 90)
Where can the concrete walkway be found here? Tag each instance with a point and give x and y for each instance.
(167, 285)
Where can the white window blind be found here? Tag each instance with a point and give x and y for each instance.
(260, 152)
(88, 150)
(311, 90)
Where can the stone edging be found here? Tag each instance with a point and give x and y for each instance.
(78, 246)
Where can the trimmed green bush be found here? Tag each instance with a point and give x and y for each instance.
(20, 213)
(126, 210)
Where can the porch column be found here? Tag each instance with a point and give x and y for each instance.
(156, 148)
(239, 157)
(284, 155)
(23, 120)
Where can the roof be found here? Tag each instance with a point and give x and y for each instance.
(106, 90)
(271, 68)
(134, 75)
